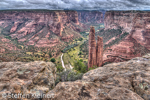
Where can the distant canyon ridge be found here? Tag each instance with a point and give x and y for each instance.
(44, 28)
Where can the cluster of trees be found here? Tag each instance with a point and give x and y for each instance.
(80, 66)
(71, 74)
(84, 49)
(59, 68)
(68, 75)
(84, 34)
(80, 39)
(69, 47)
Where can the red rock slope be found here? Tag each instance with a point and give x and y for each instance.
(137, 43)
(40, 28)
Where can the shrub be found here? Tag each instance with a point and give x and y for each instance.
(53, 60)
(68, 75)
(81, 60)
(80, 53)
(50, 55)
(80, 39)
(60, 68)
(80, 66)
(91, 68)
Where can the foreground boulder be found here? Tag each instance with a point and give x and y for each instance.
(117, 81)
(27, 78)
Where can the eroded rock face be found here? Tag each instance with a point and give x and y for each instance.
(120, 81)
(5, 45)
(39, 28)
(95, 50)
(92, 48)
(26, 78)
(136, 43)
(90, 16)
(99, 51)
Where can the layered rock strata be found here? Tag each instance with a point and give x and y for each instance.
(90, 17)
(136, 43)
(99, 51)
(95, 50)
(41, 27)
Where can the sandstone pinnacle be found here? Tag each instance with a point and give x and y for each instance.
(95, 50)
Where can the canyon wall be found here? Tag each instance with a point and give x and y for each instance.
(136, 43)
(95, 50)
(90, 16)
(40, 28)
(115, 19)
(135, 22)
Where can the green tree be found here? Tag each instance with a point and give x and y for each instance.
(80, 66)
(81, 60)
(53, 60)
(80, 39)
(80, 53)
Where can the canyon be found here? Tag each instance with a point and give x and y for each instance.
(136, 43)
(49, 29)
(53, 30)
(40, 28)
(45, 28)
(124, 38)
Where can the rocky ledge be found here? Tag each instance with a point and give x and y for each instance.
(117, 81)
(26, 78)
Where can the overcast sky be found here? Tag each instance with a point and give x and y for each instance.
(76, 4)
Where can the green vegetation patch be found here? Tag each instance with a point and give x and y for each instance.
(108, 34)
(117, 40)
(68, 75)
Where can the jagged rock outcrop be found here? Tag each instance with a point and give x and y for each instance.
(120, 81)
(136, 43)
(26, 78)
(95, 50)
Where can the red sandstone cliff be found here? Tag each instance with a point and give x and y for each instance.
(136, 43)
(90, 17)
(40, 28)
(99, 51)
(95, 50)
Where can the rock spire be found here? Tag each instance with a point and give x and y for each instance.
(95, 50)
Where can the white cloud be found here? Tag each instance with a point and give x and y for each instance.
(76, 4)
